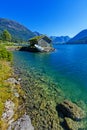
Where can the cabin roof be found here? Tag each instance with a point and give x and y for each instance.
(38, 38)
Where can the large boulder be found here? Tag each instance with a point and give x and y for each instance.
(71, 110)
(24, 123)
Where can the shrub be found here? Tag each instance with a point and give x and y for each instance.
(6, 36)
(4, 54)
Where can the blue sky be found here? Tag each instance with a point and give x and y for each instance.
(51, 17)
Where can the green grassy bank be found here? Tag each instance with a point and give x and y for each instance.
(7, 89)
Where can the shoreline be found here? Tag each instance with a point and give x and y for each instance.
(36, 99)
(42, 103)
(12, 99)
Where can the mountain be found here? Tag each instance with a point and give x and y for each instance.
(61, 39)
(79, 38)
(37, 33)
(17, 30)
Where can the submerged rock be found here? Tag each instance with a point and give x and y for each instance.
(69, 109)
(72, 125)
(24, 123)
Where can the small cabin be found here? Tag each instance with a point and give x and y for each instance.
(41, 43)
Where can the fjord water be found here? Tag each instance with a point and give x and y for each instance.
(66, 67)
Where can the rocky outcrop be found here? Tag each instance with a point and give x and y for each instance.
(72, 125)
(9, 110)
(24, 123)
(13, 116)
(69, 109)
(70, 115)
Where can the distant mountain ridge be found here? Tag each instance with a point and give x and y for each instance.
(17, 30)
(37, 33)
(81, 38)
(61, 39)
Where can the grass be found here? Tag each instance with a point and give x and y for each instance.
(7, 89)
(4, 53)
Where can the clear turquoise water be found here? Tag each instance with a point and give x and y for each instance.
(67, 67)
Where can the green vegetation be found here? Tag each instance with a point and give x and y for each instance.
(18, 32)
(5, 72)
(7, 89)
(35, 39)
(6, 36)
(7, 93)
(4, 54)
(39, 37)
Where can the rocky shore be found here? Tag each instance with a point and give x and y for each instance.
(34, 102)
(37, 104)
(46, 105)
(13, 48)
(14, 116)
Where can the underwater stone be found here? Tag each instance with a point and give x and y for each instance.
(69, 109)
(72, 125)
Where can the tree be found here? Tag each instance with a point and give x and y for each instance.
(6, 36)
